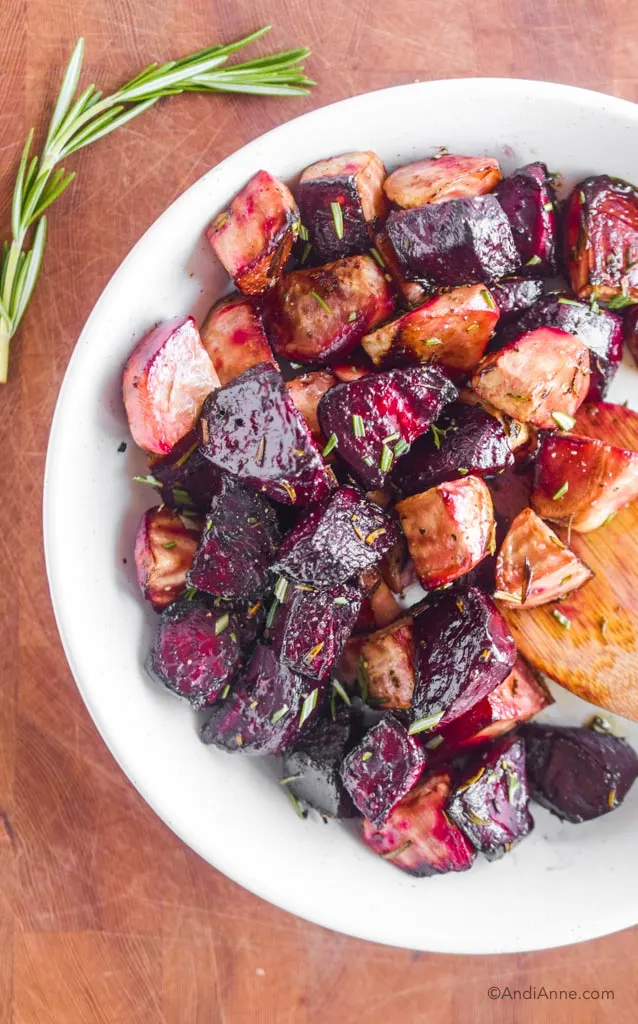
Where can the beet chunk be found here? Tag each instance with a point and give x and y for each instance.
(234, 337)
(462, 241)
(387, 663)
(463, 650)
(514, 295)
(373, 420)
(418, 836)
(251, 428)
(306, 392)
(411, 292)
(313, 763)
(491, 803)
(263, 714)
(165, 545)
(442, 178)
(382, 768)
(601, 238)
(185, 478)
(311, 628)
(528, 199)
(335, 541)
(239, 543)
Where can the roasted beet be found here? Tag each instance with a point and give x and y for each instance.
(577, 773)
(581, 482)
(239, 543)
(466, 440)
(491, 803)
(306, 392)
(441, 178)
(418, 836)
(265, 712)
(411, 292)
(166, 379)
(449, 529)
(336, 540)
(462, 241)
(514, 295)
(311, 627)
(452, 329)
(234, 337)
(605, 420)
(311, 768)
(251, 428)
(601, 238)
(340, 200)
(534, 567)
(529, 202)
(519, 435)
(320, 314)
(387, 664)
(379, 606)
(373, 421)
(253, 238)
(463, 650)
(185, 478)
(382, 768)
(631, 333)
(543, 373)
(357, 366)
(165, 546)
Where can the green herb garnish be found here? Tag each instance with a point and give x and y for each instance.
(425, 724)
(433, 341)
(324, 305)
(568, 302)
(169, 544)
(366, 756)
(358, 426)
(303, 232)
(152, 481)
(564, 421)
(401, 447)
(561, 492)
(489, 301)
(225, 691)
(620, 301)
(306, 252)
(561, 619)
(338, 689)
(352, 316)
(278, 715)
(337, 218)
(222, 623)
(182, 497)
(437, 434)
(340, 600)
(462, 470)
(533, 261)
(548, 206)
(281, 589)
(297, 806)
(330, 444)
(376, 255)
(385, 461)
(289, 778)
(308, 706)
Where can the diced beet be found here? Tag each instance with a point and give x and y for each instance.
(605, 420)
(166, 379)
(418, 836)
(542, 373)
(336, 540)
(467, 440)
(306, 392)
(461, 241)
(519, 435)
(581, 481)
(376, 418)
(312, 766)
(463, 650)
(511, 493)
(320, 314)
(491, 803)
(578, 773)
(379, 606)
(514, 295)
(253, 238)
(449, 529)
(452, 329)
(263, 714)
(601, 238)
(442, 178)
(534, 567)
(185, 478)
(631, 333)
(165, 545)
(198, 648)
(239, 543)
(354, 182)
(411, 292)
(387, 661)
(529, 202)
(234, 337)
(311, 627)
(251, 428)
(382, 768)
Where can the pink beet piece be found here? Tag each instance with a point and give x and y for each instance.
(165, 545)
(234, 337)
(311, 627)
(382, 768)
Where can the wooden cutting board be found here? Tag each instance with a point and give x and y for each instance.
(597, 657)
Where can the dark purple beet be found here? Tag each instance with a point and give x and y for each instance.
(529, 202)
(467, 440)
(263, 714)
(382, 768)
(463, 650)
(315, 761)
(577, 773)
(337, 540)
(513, 295)
(310, 629)
(395, 407)
(461, 241)
(491, 802)
(251, 428)
(239, 542)
(188, 479)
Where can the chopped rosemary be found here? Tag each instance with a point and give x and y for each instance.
(401, 447)
(561, 619)
(272, 611)
(314, 652)
(513, 786)
(391, 437)
(306, 252)
(337, 218)
(352, 316)
(340, 600)
(261, 451)
(181, 496)
(437, 434)
(222, 623)
(564, 421)
(375, 534)
(568, 302)
(400, 849)
(303, 232)
(308, 706)
(472, 327)
(435, 742)
(331, 443)
(425, 724)
(369, 461)
(358, 426)
(600, 724)
(322, 302)
(376, 255)
(152, 481)
(281, 589)
(620, 301)
(366, 756)
(289, 778)
(289, 489)
(533, 261)
(385, 462)
(485, 654)
(297, 806)
(476, 820)
(502, 595)
(187, 454)
(433, 341)
(225, 691)
(338, 689)
(489, 301)
(548, 206)
(190, 593)
(561, 492)
(462, 470)
(278, 715)
(169, 544)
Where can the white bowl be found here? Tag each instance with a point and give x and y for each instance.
(564, 884)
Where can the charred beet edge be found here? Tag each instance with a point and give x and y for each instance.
(165, 546)
(463, 650)
(265, 713)
(382, 768)
(514, 295)
(340, 200)
(336, 540)
(312, 766)
(462, 241)
(239, 543)
(442, 178)
(311, 627)
(234, 337)
(529, 201)
(375, 419)
(577, 773)
(387, 663)
(186, 478)
(467, 440)
(601, 238)
(251, 428)
(418, 836)
(491, 803)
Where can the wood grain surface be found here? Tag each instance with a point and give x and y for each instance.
(105, 916)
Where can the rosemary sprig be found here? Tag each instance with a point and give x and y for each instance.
(79, 120)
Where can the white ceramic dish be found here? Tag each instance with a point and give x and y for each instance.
(564, 884)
